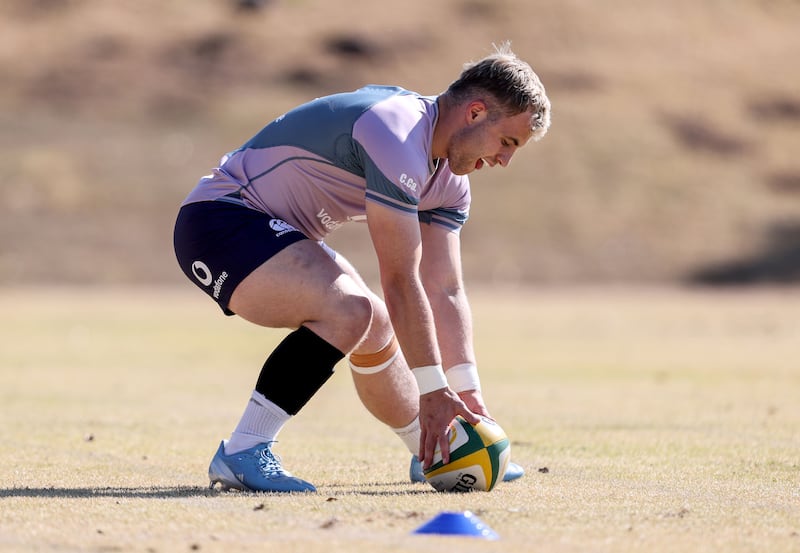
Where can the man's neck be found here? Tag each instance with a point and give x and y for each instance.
(443, 128)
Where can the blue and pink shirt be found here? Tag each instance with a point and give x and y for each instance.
(318, 165)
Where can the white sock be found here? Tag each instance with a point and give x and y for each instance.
(260, 423)
(410, 435)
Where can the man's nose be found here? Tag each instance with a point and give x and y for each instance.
(504, 158)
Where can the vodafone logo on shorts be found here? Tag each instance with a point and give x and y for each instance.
(202, 273)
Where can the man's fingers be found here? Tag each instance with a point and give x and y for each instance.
(430, 450)
(423, 458)
(444, 445)
(469, 416)
(436, 415)
(429, 441)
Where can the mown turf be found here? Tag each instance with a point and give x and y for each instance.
(647, 420)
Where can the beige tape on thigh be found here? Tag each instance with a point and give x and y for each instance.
(371, 363)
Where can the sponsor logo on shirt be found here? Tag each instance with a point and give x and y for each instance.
(408, 182)
(327, 221)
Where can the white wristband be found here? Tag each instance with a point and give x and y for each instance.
(429, 378)
(463, 377)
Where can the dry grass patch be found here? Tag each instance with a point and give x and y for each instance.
(647, 420)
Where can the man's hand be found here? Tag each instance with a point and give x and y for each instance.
(474, 402)
(437, 410)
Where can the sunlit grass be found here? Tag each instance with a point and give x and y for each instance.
(647, 420)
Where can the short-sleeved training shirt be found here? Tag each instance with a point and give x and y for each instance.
(317, 165)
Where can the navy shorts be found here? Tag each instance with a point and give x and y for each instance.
(219, 243)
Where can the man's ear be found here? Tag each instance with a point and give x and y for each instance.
(476, 111)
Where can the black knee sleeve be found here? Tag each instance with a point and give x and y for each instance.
(296, 369)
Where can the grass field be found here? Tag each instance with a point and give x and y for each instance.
(666, 420)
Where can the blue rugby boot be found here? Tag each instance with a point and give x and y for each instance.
(256, 469)
(513, 471)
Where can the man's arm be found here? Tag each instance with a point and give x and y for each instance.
(397, 240)
(441, 273)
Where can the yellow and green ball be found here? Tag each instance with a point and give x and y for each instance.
(479, 456)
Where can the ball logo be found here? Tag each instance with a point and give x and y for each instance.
(453, 436)
(280, 226)
(466, 482)
(202, 273)
(452, 433)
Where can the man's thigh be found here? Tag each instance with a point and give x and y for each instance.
(299, 284)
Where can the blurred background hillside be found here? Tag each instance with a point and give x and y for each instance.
(674, 154)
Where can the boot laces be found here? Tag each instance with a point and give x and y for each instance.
(270, 463)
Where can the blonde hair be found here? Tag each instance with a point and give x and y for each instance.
(512, 85)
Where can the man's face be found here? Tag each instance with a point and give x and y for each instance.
(483, 142)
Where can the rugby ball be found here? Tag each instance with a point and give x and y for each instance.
(479, 456)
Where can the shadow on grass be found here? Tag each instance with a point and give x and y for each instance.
(178, 492)
(155, 492)
(379, 489)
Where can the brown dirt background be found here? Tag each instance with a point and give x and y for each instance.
(672, 156)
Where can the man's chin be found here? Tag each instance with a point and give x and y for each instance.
(460, 171)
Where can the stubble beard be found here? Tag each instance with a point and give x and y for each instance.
(459, 157)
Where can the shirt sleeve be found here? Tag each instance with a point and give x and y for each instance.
(392, 143)
(446, 201)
